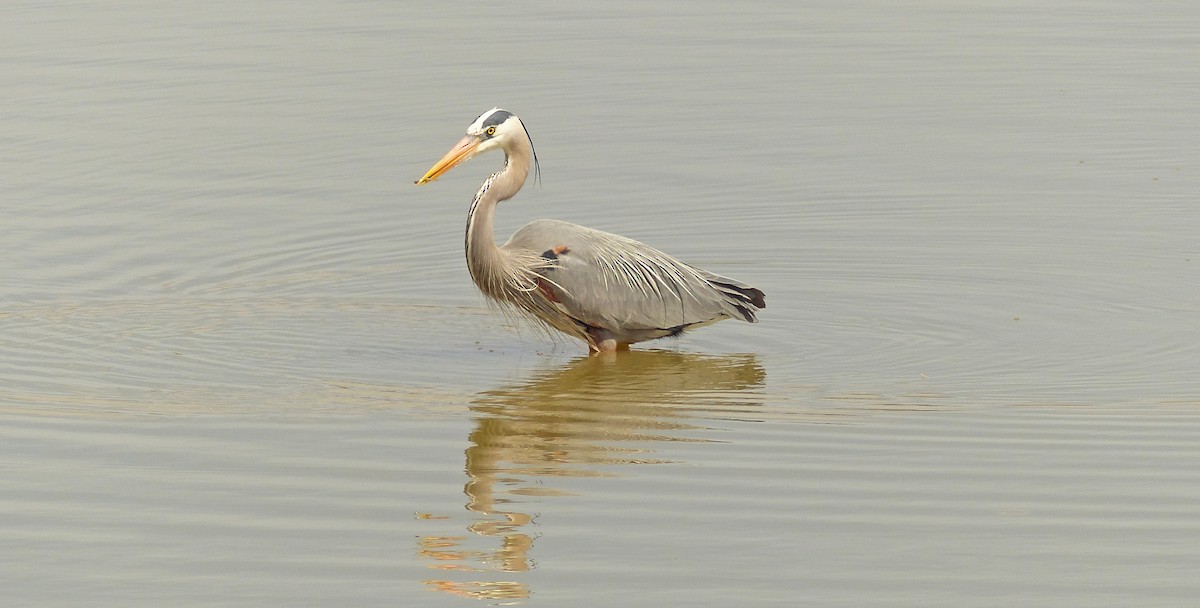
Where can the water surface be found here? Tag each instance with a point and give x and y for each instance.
(241, 361)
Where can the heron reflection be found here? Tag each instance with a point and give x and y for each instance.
(576, 422)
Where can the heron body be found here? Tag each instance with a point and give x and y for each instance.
(604, 289)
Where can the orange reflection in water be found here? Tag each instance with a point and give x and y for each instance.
(608, 410)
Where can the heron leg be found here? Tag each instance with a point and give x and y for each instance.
(603, 341)
(607, 346)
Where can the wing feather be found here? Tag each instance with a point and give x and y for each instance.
(612, 282)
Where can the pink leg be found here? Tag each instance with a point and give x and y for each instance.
(603, 342)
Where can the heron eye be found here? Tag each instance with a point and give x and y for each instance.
(490, 131)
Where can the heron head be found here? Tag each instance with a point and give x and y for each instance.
(493, 129)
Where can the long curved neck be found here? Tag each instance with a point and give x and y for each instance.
(483, 256)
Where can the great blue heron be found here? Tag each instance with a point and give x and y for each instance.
(604, 289)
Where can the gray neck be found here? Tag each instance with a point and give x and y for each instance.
(484, 258)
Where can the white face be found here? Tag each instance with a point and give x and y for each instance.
(493, 128)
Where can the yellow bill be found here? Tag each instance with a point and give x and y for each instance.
(461, 151)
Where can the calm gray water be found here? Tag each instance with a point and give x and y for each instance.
(242, 363)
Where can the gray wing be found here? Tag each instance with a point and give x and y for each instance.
(609, 281)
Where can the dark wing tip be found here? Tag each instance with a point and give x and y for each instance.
(757, 297)
(745, 293)
(747, 313)
(746, 300)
